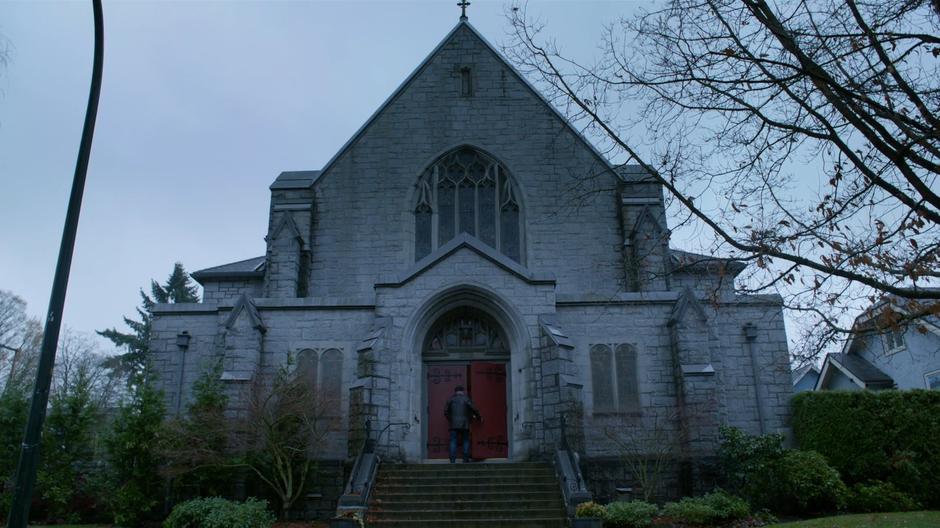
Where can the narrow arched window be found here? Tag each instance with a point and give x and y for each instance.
(466, 191)
(602, 379)
(628, 390)
(331, 381)
(307, 363)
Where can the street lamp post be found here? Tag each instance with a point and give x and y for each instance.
(29, 453)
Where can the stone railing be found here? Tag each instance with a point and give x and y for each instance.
(568, 470)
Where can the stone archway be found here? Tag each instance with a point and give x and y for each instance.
(517, 338)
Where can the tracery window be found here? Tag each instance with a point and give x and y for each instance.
(321, 372)
(465, 333)
(614, 378)
(466, 191)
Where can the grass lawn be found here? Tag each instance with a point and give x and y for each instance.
(921, 519)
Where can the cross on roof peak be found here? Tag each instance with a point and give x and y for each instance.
(463, 4)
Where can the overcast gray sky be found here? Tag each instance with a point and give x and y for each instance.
(203, 104)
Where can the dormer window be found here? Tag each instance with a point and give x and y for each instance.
(466, 191)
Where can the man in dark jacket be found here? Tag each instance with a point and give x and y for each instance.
(459, 411)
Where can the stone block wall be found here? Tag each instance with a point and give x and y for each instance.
(227, 291)
(363, 219)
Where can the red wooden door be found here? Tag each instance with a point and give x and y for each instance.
(442, 379)
(488, 392)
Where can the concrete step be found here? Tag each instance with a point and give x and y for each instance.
(494, 478)
(460, 466)
(491, 495)
(494, 503)
(466, 487)
(504, 513)
(518, 496)
(547, 522)
(468, 472)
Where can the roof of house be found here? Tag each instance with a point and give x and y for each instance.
(858, 368)
(797, 375)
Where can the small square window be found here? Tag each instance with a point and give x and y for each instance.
(932, 380)
(893, 340)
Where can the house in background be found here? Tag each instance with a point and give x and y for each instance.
(905, 357)
(804, 378)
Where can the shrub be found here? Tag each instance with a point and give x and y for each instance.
(728, 507)
(632, 514)
(895, 436)
(749, 465)
(807, 484)
(216, 512)
(879, 497)
(747, 461)
(711, 509)
(591, 509)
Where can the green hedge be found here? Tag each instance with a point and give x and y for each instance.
(890, 436)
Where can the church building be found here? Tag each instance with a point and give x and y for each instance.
(469, 235)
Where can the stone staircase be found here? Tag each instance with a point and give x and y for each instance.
(487, 495)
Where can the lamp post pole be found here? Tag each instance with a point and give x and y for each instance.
(29, 454)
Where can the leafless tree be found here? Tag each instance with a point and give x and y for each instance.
(79, 358)
(20, 337)
(648, 451)
(284, 429)
(801, 137)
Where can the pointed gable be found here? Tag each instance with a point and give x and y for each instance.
(287, 227)
(245, 307)
(467, 39)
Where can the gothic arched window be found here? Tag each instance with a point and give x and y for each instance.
(307, 363)
(331, 380)
(466, 191)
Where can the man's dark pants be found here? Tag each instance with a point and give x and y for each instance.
(453, 444)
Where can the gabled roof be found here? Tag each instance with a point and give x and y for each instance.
(461, 241)
(857, 369)
(797, 375)
(287, 222)
(687, 301)
(646, 217)
(247, 305)
(243, 269)
(463, 24)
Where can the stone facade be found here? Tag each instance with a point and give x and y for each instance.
(606, 325)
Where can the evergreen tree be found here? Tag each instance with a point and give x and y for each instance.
(14, 405)
(177, 289)
(64, 476)
(133, 453)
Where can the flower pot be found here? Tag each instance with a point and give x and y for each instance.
(587, 522)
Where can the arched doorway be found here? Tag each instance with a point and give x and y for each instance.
(467, 347)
